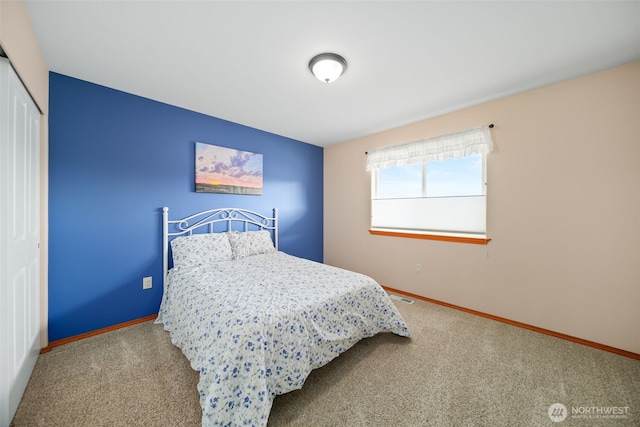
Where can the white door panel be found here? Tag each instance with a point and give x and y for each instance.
(19, 239)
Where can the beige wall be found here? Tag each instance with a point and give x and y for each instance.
(19, 43)
(563, 212)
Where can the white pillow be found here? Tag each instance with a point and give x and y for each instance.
(247, 243)
(200, 249)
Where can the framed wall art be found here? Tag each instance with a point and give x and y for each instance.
(227, 170)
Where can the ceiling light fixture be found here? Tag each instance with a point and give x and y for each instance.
(327, 67)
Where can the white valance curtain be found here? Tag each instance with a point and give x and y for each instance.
(452, 146)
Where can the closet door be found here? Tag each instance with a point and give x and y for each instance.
(19, 239)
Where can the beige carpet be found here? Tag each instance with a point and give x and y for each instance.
(456, 370)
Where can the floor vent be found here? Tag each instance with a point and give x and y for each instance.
(399, 298)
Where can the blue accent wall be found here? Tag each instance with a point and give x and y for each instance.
(115, 160)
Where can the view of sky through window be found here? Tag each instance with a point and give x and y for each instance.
(448, 178)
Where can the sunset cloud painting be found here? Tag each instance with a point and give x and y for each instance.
(228, 171)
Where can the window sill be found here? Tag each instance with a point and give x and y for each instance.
(426, 236)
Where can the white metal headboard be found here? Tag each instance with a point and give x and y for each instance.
(205, 221)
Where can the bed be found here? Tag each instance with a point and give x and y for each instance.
(253, 320)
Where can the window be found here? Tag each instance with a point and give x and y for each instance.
(435, 186)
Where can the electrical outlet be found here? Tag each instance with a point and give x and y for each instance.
(147, 282)
(418, 268)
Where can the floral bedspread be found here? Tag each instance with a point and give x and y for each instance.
(256, 327)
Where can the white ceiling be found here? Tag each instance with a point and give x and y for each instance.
(247, 61)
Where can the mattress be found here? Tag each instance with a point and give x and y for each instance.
(255, 327)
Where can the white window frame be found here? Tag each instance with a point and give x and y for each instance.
(441, 215)
(456, 216)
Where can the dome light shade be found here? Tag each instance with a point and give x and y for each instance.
(327, 67)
